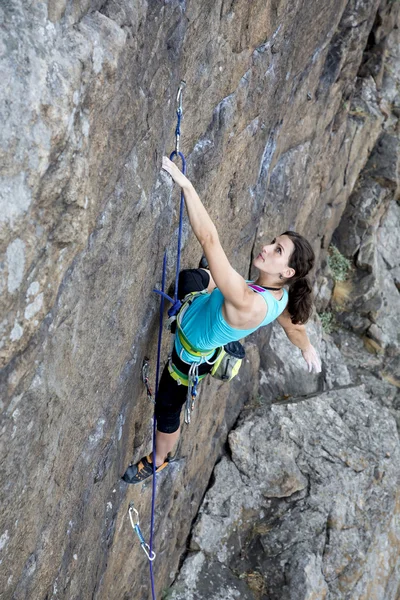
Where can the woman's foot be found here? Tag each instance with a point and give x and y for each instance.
(142, 470)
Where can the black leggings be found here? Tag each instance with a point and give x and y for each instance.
(171, 396)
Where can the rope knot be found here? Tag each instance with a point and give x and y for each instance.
(174, 308)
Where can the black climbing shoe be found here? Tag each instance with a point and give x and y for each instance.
(203, 264)
(142, 470)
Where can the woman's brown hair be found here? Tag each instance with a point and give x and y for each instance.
(300, 292)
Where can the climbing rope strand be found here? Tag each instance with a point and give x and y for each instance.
(153, 496)
(181, 208)
(174, 309)
(176, 153)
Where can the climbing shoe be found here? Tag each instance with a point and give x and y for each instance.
(142, 470)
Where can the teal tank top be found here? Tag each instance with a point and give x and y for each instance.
(205, 327)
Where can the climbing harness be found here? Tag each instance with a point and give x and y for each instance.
(135, 526)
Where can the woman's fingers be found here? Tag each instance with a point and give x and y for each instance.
(174, 171)
(167, 164)
(312, 359)
(170, 167)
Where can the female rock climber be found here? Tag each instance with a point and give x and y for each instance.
(229, 311)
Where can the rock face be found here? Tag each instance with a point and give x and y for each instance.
(284, 103)
(369, 234)
(307, 507)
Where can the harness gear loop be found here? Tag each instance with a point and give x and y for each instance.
(178, 376)
(135, 526)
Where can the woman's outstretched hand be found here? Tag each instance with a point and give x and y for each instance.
(175, 173)
(312, 359)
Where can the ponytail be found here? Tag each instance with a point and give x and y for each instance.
(300, 301)
(300, 292)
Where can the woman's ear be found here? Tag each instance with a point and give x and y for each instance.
(288, 273)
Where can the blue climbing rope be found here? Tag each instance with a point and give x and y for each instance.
(153, 495)
(178, 257)
(176, 304)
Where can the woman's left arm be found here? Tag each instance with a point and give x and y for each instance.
(232, 285)
(298, 336)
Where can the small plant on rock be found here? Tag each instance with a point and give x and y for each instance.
(340, 267)
(338, 264)
(327, 321)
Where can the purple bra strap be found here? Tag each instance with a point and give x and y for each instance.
(256, 287)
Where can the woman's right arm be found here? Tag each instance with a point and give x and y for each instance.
(232, 285)
(297, 334)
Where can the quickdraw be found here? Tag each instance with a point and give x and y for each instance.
(193, 381)
(145, 378)
(135, 526)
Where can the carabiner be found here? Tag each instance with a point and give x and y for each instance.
(145, 370)
(133, 509)
(145, 378)
(182, 86)
(146, 550)
(179, 112)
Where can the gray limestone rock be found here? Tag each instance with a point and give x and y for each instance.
(283, 370)
(282, 378)
(318, 537)
(216, 581)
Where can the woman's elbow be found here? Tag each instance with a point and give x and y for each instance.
(208, 239)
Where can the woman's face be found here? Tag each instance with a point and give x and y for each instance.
(274, 257)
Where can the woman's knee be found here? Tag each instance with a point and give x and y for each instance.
(168, 423)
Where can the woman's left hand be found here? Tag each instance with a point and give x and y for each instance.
(312, 359)
(174, 171)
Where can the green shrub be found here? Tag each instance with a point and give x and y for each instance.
(327, 321)
(338, 264)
